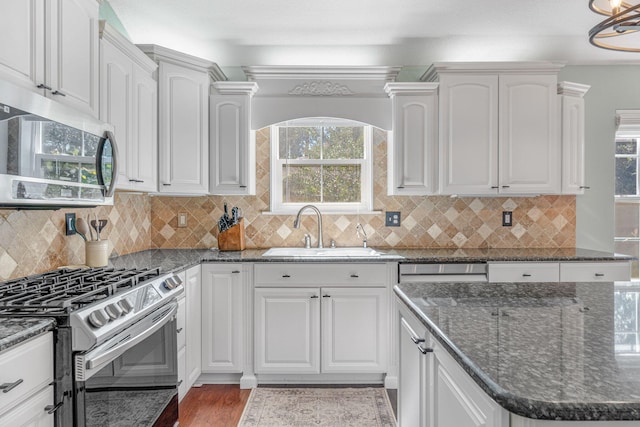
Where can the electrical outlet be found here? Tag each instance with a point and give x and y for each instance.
(70, 224)
(182, 220)
(507, 218)
(392, 219)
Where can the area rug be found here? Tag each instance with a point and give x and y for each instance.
(302, 407)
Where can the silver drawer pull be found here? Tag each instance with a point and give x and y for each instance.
(285, 276)
(235, 271)
(599, 274)
(326, 296)
(314, 296)
(179, 383)
(43, 86)
(355, 276)
(417, 340)
(53, 408)
(425, 350)
(585, 187)
(7, 387)
(526, 275)
(179, 330)
(57, 92)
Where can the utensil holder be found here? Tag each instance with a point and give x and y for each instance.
(233, 238)
(96, 253)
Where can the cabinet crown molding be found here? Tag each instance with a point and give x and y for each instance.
(236, 88)
(113, 36)
(573, 89)
(539, 67)
(260, 72)
(159, 53)
(628, 122)
(410, 88)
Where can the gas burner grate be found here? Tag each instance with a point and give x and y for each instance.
(64, 290)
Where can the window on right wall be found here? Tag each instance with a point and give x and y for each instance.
(627, 191)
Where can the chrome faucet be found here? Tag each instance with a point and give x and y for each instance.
(360, 229)
(296, 223)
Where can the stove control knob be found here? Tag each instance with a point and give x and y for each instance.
(172, 282)
(113, 311)
(97, 318)
(125, 306)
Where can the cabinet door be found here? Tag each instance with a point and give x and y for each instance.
(354, 330)
(287, 330)
(22, 35)
(572, 139)
(72, 53)
(232, 145)
(193, 324)
(529, 139)
(413, 148)
(182, 368)
(144, 150)
(116, 71)
(412, 381)
(468, 134)
(222, 318)
(184, 129)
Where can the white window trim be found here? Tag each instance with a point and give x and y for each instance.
(364, 207)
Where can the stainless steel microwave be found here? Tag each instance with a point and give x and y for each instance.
(51, 155)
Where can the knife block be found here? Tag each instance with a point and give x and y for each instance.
(233, 238)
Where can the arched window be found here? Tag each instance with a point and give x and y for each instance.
(321, 161)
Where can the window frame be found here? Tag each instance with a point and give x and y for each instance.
(278, 206)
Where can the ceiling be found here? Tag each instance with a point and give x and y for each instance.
(368, 32)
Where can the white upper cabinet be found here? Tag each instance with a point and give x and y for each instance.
(183, 114)
(233, 149)
(412, 148)
(499, 128)
(51, 48)
(572, 136)
(128, 100)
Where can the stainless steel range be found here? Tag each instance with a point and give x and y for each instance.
(115, 342)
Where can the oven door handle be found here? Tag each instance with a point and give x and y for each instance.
(102, 357)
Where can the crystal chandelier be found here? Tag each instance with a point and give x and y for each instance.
(621, 29)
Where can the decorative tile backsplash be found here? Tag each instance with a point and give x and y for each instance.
(438, 221)
(34, 241)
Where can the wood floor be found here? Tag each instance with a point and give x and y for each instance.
(221, 405)
(218, 405)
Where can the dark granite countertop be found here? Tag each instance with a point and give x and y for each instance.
(179, 259)
(15, 331)
(566, 351)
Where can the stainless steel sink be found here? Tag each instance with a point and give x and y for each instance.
(345, 252)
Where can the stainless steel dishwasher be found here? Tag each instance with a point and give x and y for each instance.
(446, 272)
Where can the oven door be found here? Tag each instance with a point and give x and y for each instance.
(133, 378)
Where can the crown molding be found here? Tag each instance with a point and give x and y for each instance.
(532, 67)
(113, 36)
(628, 122)
(160, 53)
(410, 88)
(573, 89)
(236, 88)
(382, 73)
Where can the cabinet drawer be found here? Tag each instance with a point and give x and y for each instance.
(524, 272)
(30, 363)
(31, 413)
(594, 271)
(320, 274)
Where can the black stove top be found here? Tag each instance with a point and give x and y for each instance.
(59, 292)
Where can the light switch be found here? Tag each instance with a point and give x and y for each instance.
(507, 218)
(182, 220)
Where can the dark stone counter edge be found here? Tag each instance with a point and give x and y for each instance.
(529, 408)
(37, 326)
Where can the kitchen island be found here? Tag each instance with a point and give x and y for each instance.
(541, 351)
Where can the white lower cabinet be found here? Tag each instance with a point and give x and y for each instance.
(222, 331)
(312, 330)
(188, 328)
(26, 376)
(433, 390)
(287, 330)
